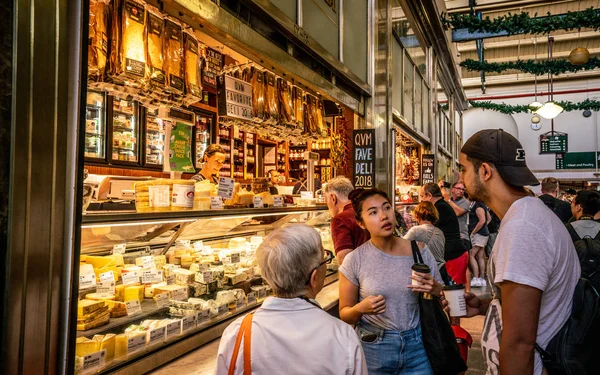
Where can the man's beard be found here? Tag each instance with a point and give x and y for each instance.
(478, 191)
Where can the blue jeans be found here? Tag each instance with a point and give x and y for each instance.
(394, 352)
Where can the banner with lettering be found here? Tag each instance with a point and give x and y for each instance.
(235, 98)
(363, 158)
(179, 148)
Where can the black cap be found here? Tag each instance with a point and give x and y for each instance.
(505, 152)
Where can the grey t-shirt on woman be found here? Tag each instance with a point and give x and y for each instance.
(375, 272)
(432, 237)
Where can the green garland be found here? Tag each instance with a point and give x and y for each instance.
(555, 67)
(592, 105)
(524, 23)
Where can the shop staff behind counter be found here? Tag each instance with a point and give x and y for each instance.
(213, 159)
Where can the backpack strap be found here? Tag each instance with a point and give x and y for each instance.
(417, 257)
(597, 238)
(573, 233)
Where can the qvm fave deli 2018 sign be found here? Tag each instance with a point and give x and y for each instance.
(364, 158)
(235, 98)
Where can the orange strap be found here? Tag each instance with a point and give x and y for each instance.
(246, 332)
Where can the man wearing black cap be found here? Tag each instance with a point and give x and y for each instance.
(533, 267)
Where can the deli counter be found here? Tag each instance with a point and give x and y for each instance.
(154, 286)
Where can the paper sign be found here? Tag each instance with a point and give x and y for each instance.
(152, 276)
(119, 248)
(162, 300)
(173, 329)
(94, 360)
(204, 277)
(87, 281)
(156, 336)
(107, 276)
(148, 262)
(106, 287)
(223, 309)
(251, 298)
(136, 343)
(133, 307)
(130, 278)
(171, 279)
(306, 194)
(258, 202)
(188, 322)
(235, 257)
(216, 203)
(179, 294)
(203, 316)
(277, 201)
(226, 187)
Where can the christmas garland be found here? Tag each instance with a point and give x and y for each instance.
(524, 23)
(588, 104)
(555, 67)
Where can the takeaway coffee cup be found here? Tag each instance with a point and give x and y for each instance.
(455, 295)
(421, 268)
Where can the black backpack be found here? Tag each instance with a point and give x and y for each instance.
(588, 251)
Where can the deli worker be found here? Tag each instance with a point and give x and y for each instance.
(213, 160)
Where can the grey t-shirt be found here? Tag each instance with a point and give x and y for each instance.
(432, 237)
(375, 272)
(463, 220)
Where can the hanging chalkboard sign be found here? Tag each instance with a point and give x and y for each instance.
(364, 158)
(213, 63)
(553, 143)
(427, 168)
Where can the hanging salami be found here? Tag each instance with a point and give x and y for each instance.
(286, 106)
(271, 102)
(298, 100)
(258, 93)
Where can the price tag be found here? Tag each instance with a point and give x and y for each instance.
(179, 294)
(94, 361)
(262, 293)
(203, 316)
(204, 277)
(171, 279)
(133, 307)
(152, 276)
(226, 187)
(306, 195)
(130, 278)
(173, 329)
(235, 257)
(119, 249)
(258, 202)
(277, 201)
(162, 300)
(241, 302)
(251, 298)
(106, 287)
(136, 343)
(148, 262)
(87, 281)
(156, 336)
(223, 309)
(107, 276)
(188, 323)
(216, 203)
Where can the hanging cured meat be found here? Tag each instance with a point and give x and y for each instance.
(192, 69)
(298, 100)
(154, 41)
(311, 117)
(258, 93)
(286, 106)
(320, 122)
(98, 39)
(271, 102)
(114, 66)
(133, 48)
(173, 53)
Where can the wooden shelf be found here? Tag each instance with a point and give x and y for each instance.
(205, 107)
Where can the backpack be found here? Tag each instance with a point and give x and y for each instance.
(588, 251)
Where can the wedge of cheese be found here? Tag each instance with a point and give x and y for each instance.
(100, 320)
(101, 261)
(106, 342)
(149, 290)
(117, 309)
(86, 306)
(134, 292)
(100, 296)
(120, 345)
(120, 292)
(85, 346)
(91, 317)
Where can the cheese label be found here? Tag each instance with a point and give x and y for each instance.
(277, 201)
(207, 277)
(152, 276)
(258, 202)
(251, 298)
(136, 343)
(133, 307)
(188, 323)
(130, 278)
(262, 293)
(171, 279)
(162, 300)
(173, 329)
(106, 287)
(226, 186)
(216, 203)
(107, 276)
(235, 257)
(148, 262)
(306, 194)
(179, 294)
(119, 248)
(156, 336)
(240, 303)
(87, 281)
(203, 316)
(94, 361)
(223, 309)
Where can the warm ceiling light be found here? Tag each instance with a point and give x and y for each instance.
(535, 105)
(549, 110)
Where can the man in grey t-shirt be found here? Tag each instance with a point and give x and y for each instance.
(460, 205)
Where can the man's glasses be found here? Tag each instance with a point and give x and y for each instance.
(326, 260)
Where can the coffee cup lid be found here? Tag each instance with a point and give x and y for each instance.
(420, 267)
(454, 287)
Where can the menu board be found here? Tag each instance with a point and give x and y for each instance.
(213, 63)
(235, 98)
(364, 158)
(577, 160)
(553, 143)
(428, 168)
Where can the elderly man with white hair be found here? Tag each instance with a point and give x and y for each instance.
(290, 332)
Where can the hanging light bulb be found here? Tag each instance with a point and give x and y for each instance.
(549, 110)
(535, 105)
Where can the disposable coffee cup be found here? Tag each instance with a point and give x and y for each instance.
(421, 268)
(455, 295)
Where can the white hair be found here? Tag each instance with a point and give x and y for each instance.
(287, 256)
(340, 185)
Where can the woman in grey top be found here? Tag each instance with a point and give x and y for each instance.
(426, 233)
(376, 291)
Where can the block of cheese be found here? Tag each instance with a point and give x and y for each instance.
(134, 292)
(117, 309)
(169, 289)
(120, 292)
(120, 345)
(86, 306)
(85, 346)
(139, 261)
(231, 268)
(183, 276)
(149, 291)
(237, 243)
(169, 269)
(115, 270)
(160, 261)
(91, 317)
(100, 296)
(101, 261)
(197, 289)
(106, 342)
(237, 278)
(186, 261)
(100, 320)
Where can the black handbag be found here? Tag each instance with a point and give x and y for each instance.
(438, 337)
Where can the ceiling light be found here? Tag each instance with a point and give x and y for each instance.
(535, 106)
(549, 110)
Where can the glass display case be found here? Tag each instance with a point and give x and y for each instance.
(125, 131)
(95, 126)
(154, 286)
(204, 124)
(155, 139)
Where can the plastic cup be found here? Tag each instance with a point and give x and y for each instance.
(455, 295)
(421, 268)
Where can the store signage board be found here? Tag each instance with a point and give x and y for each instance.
(577, 160)
(226, 186)
(364, 158)
(428, 168)
(235, 98)
(554, 143)
(178, 150)
(213, 63)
